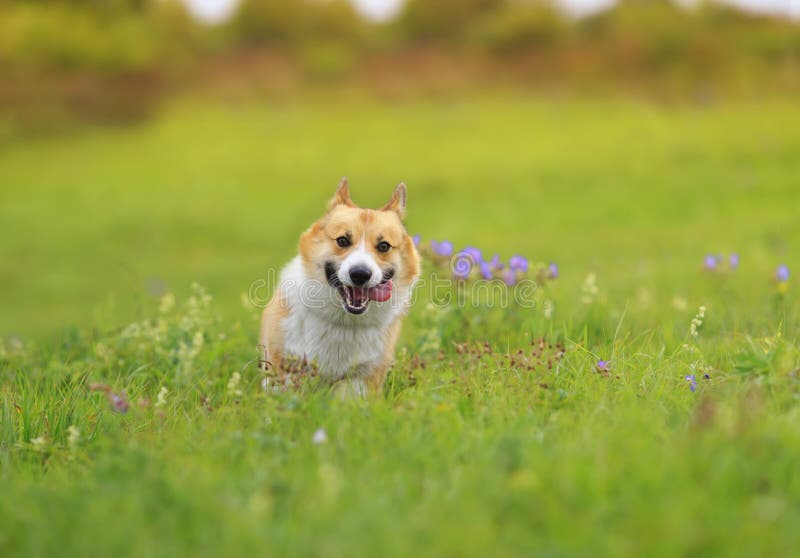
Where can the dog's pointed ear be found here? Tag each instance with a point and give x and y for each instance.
(398, 201)
(342, 196)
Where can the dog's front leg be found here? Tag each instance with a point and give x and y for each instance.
(364, 381)
(348, 389)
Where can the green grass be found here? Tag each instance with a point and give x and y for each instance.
(469, 453)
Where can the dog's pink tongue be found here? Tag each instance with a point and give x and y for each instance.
(381, 292)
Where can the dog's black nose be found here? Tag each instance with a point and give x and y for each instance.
(360, 274)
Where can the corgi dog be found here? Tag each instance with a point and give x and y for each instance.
(341, 300)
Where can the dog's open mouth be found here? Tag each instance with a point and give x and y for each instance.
(356, 299)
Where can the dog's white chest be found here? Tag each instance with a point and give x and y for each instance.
(317, 328)
(338, 350)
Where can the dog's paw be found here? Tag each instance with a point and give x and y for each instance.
(349, 390)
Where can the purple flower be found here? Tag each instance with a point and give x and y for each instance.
(604, 365)
(495, 263)
(486, 270)
(710, 262)
(473, 253)
(733, 261)
(118, 402)
(518, 263)
(552, 270)
(415, 239)
(782, 274)
(692, 382)
(461, 272)
(443, 248)
(510, 278)
(461, 266)
(706, 377)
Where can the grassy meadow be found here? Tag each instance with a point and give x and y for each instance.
(133, 421)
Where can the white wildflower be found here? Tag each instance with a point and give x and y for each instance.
(161, 398)
(589, 289)
(132, 331)
(320, 436)
(697, 321)
(201, 297)
(431, 335)
(73, 435)
(196, 310)
(187, 353)
(39, 442)
(233, 384)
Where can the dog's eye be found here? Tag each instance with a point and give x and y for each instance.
(343, 242)
(384, 246)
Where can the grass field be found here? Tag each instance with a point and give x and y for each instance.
(505, 449)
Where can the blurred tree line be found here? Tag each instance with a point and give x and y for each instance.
(328, 38)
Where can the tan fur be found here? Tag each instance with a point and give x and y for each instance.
(318, 245)
(378, 377)
(271, 336)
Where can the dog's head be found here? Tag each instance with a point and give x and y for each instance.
(365, 255)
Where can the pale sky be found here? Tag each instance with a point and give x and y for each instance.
(214, 11)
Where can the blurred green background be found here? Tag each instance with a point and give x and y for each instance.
(143, 148)
(115, 61)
